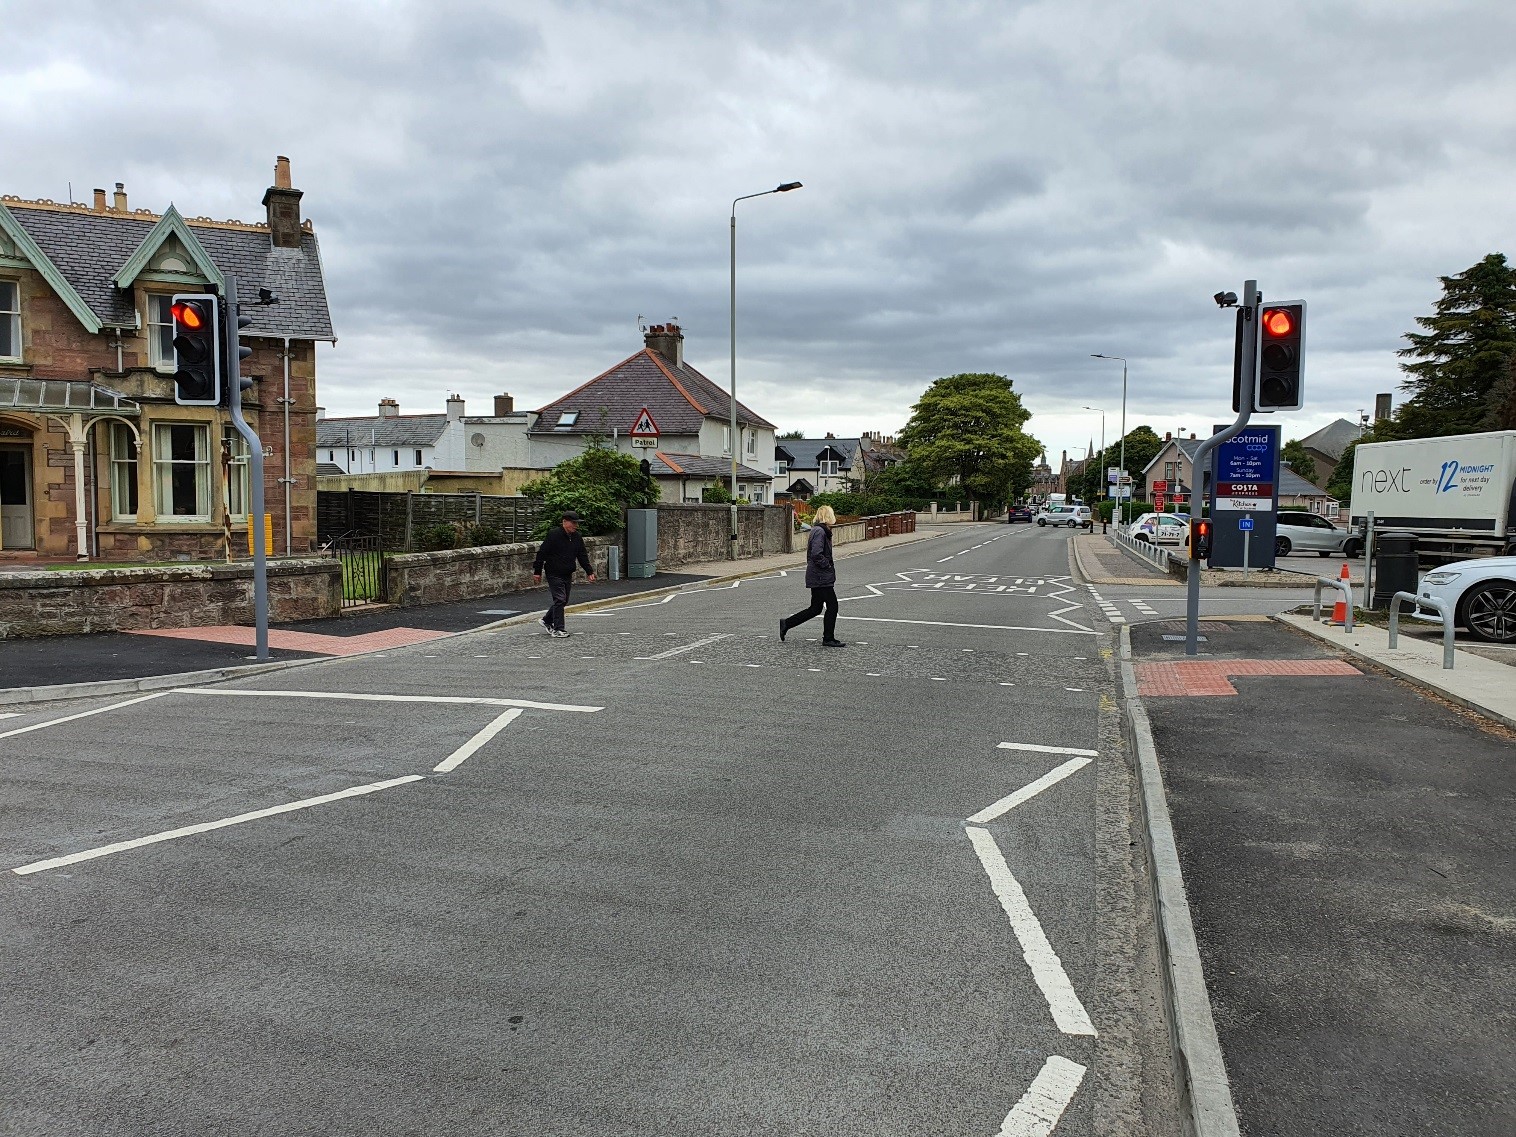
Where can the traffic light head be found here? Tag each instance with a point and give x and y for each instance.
(1281, 357)
(1200, 537)
(197, 348)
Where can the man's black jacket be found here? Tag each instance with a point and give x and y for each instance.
(560, 550)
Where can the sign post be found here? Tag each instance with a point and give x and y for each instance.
(1245, 523)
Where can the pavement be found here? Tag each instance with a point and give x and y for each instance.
(667, 876)
(1345, 840)
(44, 667)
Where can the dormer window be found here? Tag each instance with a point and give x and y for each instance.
(568, 418)
(828, 468)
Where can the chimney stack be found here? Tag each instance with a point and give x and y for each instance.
(283, 205)
(1168, 436)
(455, 407)
(504, 405)
(389, 408)
(99, 201)
(120, 197)
(320, 414)
(667, 340)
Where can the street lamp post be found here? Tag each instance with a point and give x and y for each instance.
(1104, 482)
(1121, 477)
(731, 551)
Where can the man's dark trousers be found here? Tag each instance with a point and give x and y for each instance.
(820, 597)
(558, 589)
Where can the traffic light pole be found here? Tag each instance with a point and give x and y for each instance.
(255, 463)
(1250, 302)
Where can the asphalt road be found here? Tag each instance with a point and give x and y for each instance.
(668, 876)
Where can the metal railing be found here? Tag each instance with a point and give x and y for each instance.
(1155, 555)
(1341, 586)
(1438, 606)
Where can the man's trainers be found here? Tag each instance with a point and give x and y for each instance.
(833, 643)
(558, 634)
(545, 624)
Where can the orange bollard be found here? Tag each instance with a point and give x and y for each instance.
(1340, 609)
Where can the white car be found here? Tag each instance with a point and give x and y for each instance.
(1074, 516)
(1160, 529)
(1481, 594)
(1299, 531)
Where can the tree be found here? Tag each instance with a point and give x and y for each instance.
(1298, 458)
(792, 434)
(1142, 446)
(1460, 378)
(970, 426)
(597, 484)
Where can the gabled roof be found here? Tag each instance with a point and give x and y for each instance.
(88, 251)
(381, 430)
(696, 466)
(1333, 438)
(171, 224)
(807, 451)
(680, 399)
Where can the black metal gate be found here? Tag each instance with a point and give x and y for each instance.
(363, 568)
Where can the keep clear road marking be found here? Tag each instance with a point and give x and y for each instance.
(1045, 1099)
(1047, 969)
(688, 647)
(1031, 790)
(83, 714)
(478, 701)
(1034, 748)
(994, 627)
(207, 826)
(456, 758)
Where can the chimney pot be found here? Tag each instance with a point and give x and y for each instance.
(667, 340)
(120, 197)
(504, 405)
(281, 172)
(99, 201)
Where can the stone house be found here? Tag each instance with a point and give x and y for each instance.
(96, 459)
(807, 466)
(691, 412)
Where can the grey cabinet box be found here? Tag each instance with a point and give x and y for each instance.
(641, 543)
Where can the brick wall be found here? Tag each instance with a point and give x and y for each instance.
(466, 574)
(118, 600)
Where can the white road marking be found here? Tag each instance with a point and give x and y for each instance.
(83, 714)
(465, 699)
(993, 627)
(10, 714)
(1030, 790)
(1045, 1099)
(1049, 749)
(457, 757)
(1047, 969)
(687, 647)
(207, 826)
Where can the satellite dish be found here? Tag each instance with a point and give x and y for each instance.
(477, 439)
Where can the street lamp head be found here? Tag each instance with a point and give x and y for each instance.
(786, 187)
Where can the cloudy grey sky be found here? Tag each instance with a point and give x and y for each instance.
(502, 189)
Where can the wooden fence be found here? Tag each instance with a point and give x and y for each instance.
(398, 520)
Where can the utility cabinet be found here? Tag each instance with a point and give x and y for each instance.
(641, 543)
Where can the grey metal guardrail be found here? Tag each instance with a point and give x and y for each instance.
(1341, 586)
(1155, 555)
(1438, 606)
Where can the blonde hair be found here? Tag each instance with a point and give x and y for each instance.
(826, 515)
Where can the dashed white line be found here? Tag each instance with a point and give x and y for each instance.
(1068, 1012)
(1045, 1099)
(1030, 790)
(480, 700)
(207, 826)
(10, 714)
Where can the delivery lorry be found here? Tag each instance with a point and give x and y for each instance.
(1457, 494)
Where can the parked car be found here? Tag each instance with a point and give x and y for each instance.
(1018, 513)
(1303, 532)
(1481, 594)
(1160, 528)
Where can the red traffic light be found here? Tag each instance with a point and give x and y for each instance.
(1278, 322)
(189, 315)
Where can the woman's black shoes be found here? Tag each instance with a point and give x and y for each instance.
(833, 643)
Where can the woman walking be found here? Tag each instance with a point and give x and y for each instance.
(821, 579)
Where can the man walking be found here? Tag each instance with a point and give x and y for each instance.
(561, 550)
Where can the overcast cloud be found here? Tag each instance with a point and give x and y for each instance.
(501, 190)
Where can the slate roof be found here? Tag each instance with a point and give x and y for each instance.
(328, 469)
(695, 466)
(679, 398)
(373, 430)
(1333, 438)
(89, 248)
(806, 452)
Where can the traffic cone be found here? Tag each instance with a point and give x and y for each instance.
(1340, 609)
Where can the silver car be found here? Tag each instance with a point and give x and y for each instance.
(1301, 532)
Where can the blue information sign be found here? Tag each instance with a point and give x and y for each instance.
(1244, 485)
(1244, 523)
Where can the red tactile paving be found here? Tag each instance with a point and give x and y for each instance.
(301, 641)
(1213, 677)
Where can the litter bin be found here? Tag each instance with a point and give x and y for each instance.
(1395, 567)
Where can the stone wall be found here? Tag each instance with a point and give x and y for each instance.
(690, 534)
(188, 596)
(466, 574)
